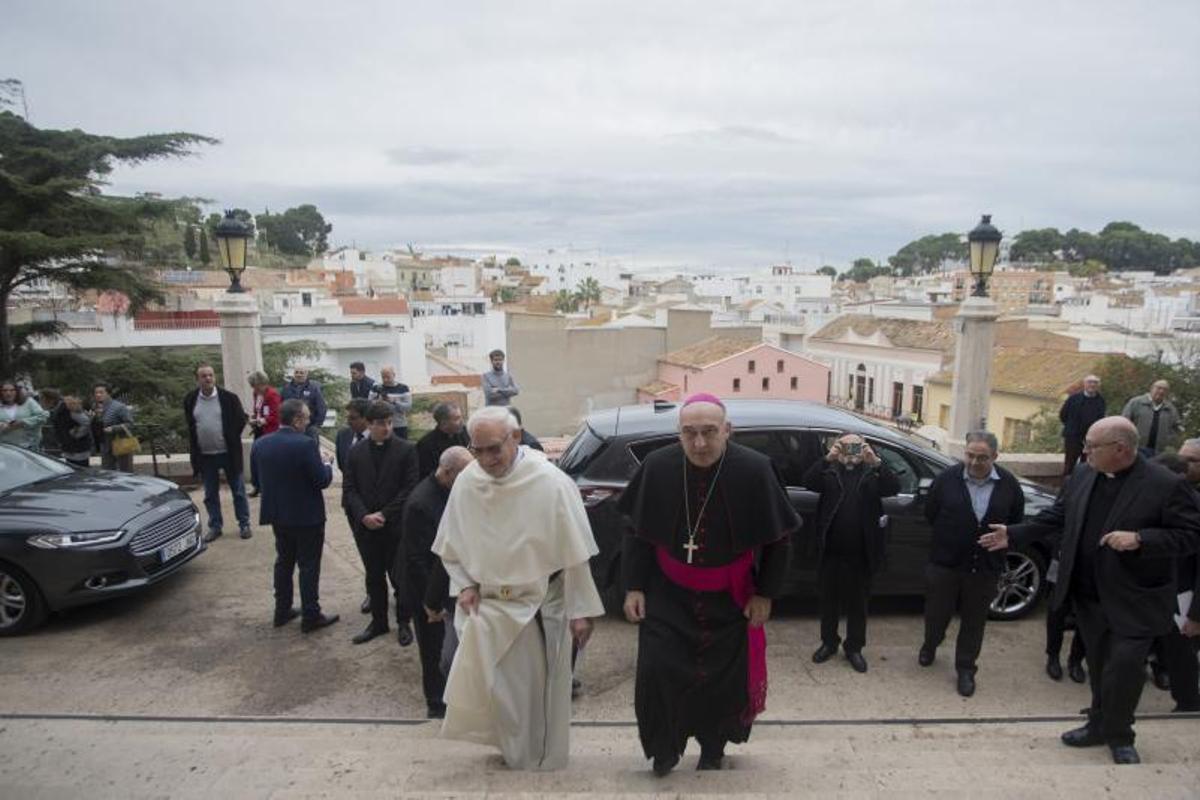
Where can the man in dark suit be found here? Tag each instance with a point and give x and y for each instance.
(1121, 520)
(1079, 411)
(962, 501)
(1181, 645)
(422, 513)
(292, 475)
(448, 432)
(379, 475)
(851, 526)
(353, 432)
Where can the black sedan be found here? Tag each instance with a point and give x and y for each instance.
(71, 536)
(608, 448)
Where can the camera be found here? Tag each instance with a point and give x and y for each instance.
(853, 448)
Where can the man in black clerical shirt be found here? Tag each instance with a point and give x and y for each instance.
(707, 551)
(1121, 520)
(380, 473)
(448, 432)
(851, 529)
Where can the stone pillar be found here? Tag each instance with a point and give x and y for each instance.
(975, 325)
(241, 343)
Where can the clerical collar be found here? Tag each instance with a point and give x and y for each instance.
(1121, 473)
(384, 443)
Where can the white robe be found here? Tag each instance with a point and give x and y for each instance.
(510, 683)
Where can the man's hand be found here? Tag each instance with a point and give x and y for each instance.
(635, 606)
(1121, 540)
(995, 539)
(468, 600)
(373, 522)
(758, 611)
(834, 452)
(581, 631)
(869, 456)
(434, 616)
(1191, 628)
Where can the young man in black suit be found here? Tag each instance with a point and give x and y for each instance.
(963, 500)
(379, 475)
(1122, 520)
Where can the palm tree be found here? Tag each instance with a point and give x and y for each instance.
(588, 291)
(566, 301)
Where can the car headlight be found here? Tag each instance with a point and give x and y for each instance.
(61, 541)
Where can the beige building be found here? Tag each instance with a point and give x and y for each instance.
(1014, 290)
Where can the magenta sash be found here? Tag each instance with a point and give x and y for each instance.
(736, 579)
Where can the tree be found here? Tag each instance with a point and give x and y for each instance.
(513, 262)
(56, 225)
(566, 301)
(927, 253)
(1088, 269)
(300, 231)
(189, 242)
(1034, 246)
(205, 258)
(505, 295)
(828, 270)
(863, 270)
(588, 291)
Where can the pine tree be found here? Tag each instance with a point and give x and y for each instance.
(205, 258)
(189, 242)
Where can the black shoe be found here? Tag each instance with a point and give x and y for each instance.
(1076, 672)
(365, 608)
(309, 625)
(1161, 679)
(576, 688)
(283, 618)
(710, 762)
(966, 683)
(404, 634)
(1125, 754)
(926, 656)
(370, 632)
(1085, 736)
(436, 711)
(245, 532)
(212, 535)
(857, 661)
(1181, 708)
(1054, 668)
(824, 653)
(663, 766)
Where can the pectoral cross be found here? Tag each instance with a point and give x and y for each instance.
(691, 547)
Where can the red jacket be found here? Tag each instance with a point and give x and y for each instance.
(266, 407)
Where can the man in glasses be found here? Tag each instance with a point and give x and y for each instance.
(515, 542)
(963, 500)
(707, 552)
(1122, 520)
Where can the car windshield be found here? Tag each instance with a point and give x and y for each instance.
(20, 467)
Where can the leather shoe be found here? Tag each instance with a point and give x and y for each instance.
(824, 653)
(926, 656)
(320, 621)
(1082, 737)
(1125, 754)
(857, 661)
(710, 762)
(1054, 668)
(663, 766)
(368, 633)
(404, 634)
(1077, 672)
(436, 711)
(1161, 679)
(966, 683)
(365, 608)
(285, 617)
(246, 532)
(212, 535)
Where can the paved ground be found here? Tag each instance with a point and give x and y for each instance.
(150, 696)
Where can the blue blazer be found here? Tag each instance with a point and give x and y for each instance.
(291, 476)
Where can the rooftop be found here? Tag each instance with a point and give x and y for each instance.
(709, 351)
(1032, 372)
(912, 333)
(374, 306)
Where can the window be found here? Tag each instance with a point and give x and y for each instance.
(306, 300)
(750, 367)
(944, 417)
(685, 383)
(737, 384)
(779, 365)
(898, 463)
(766, 384)
(897, 398)
(793, 451)
(870, 390)
(795, 383)
(1017, 433)
(918, 401)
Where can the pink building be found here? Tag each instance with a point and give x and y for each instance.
(730, 368)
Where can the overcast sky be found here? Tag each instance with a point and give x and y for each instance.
(719, 134)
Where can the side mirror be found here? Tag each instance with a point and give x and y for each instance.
(923, 487)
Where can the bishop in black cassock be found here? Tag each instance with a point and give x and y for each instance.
(707, 550)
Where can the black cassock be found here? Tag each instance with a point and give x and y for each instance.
(693, 659)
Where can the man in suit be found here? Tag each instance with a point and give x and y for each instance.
(422, 513)
(215, 421)
(1121, 520)
(961, 503)
(1077, 414)
(1181, 645)
(292, 475)
(852, 482)
(448, 432)
(380, 474)
(353, 432)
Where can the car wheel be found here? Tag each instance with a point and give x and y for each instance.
(1021, 585)
(21, 605)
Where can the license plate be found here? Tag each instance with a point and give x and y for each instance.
(177, 547)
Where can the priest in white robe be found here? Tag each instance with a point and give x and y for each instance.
(515, 541)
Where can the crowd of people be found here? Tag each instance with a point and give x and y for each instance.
(482, 545)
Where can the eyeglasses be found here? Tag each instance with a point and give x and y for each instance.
(488, 450)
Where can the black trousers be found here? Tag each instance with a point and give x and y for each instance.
(844, 583)
(1117, 672)
(430, 637)
(378, 552)
(1180, 654)
(1056, 626)
(968, 593)
(1072, 453)
(298, 547)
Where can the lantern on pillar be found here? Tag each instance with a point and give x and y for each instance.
(984, 241)
(232, 237)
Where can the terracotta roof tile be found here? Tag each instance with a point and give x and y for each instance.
(916, 334)
(709, 351)
(374, 306)
(1031, 372)
(657, 387)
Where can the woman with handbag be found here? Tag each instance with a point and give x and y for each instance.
(112, 422)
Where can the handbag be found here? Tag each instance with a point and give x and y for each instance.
(127, 445)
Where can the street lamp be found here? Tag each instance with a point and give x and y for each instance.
(984, 240)
(232, 237)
